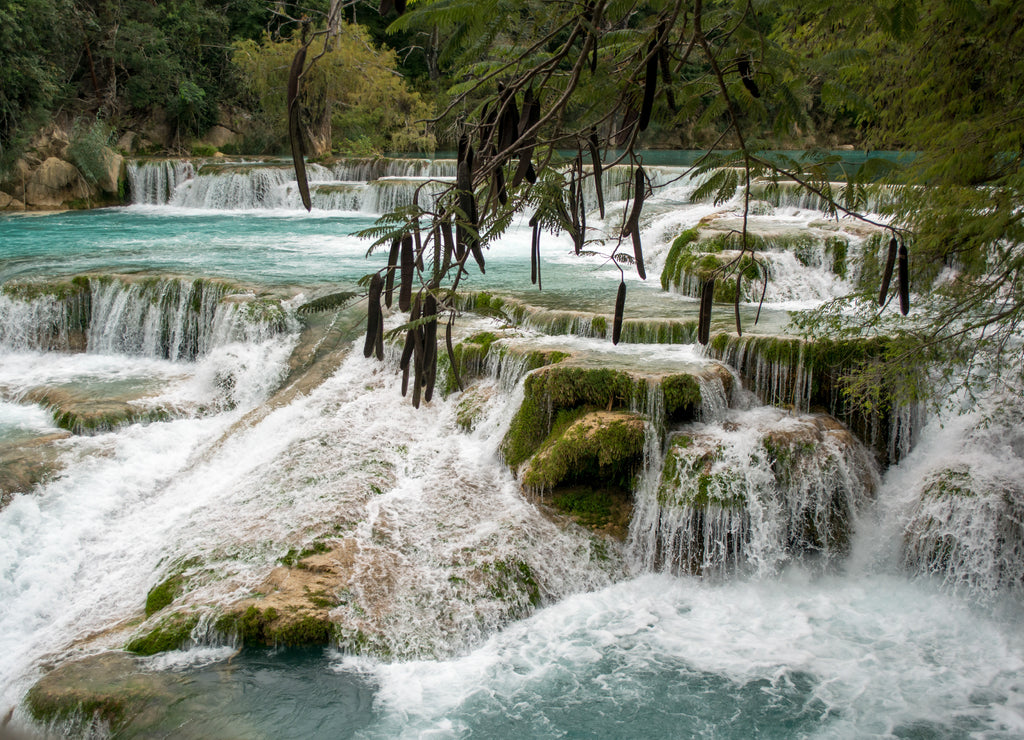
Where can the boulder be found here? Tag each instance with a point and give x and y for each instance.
(113, 171)
(760, 488)
(219, 136)
(55, 183)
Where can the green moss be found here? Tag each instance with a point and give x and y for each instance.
(170, 634)
(689, 478)
(163, 594)
(512, 581)
(952, 482)
(554, 388)
(585, 447)
(670, 271)
(265, 311)
(591, 507)
(837, 248)
(293, 558)
(682, 397)
(307, 630)
(599, 325)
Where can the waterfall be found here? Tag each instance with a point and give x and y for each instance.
(155, 182)
(373, 168)
(170, 318)
(751, 494)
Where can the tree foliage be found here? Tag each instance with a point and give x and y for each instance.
(349, 80)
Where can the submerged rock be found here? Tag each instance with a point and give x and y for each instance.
(25, 464)
(99, 695)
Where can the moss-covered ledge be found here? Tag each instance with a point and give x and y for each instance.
(802, 374)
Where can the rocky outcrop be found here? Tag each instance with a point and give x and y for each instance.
(761, 488)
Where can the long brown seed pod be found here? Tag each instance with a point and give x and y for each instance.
(389, 280)
(408, 263)
(595, 158)
(707, 294)
(417, 353)
(407, 351)
(449, 243)
(633, 222)
(430, 348)
(904, 279)
(374, 317)
(533, 250)
(620, 305)
(295, 127)
(666, 79)
(890, 263)
(650, 86)
(747, 77)
(638, 254)
(451, 353)
(530, 116)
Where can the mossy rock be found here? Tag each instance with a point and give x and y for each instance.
(170, 633)
(968, 530)
(102, 690)
(690, 479)
(513, 582)
(557, 387)
(598, 447)
(255, 626)
(792, 469)
(86, 415)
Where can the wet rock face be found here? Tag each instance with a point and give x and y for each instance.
(755, 492)
(54, 183)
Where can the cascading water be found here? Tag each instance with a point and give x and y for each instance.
(155, 183)
(294, 488)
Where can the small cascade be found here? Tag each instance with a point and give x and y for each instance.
(958, 499)
(169, 318)
(38, 317)
(799, 375)
(792, 195)
(752, 493)
(245, 186)
(153, 183)
(374, 197)
(374, 168)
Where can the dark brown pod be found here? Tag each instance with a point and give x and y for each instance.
(903, 276)
(890, 263)
(406, 357)
(400, 6)
(595, 158)
(374, 317)
(747, 77)
(449, 243)
(620, 305)
(430, 347)
(389, 280)
(386, 6)
(533, 251)
(530, 116)
(707, 294)
(295, 127)
(639, 192)
(408, 265)
(638, 254)
(650, 87)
